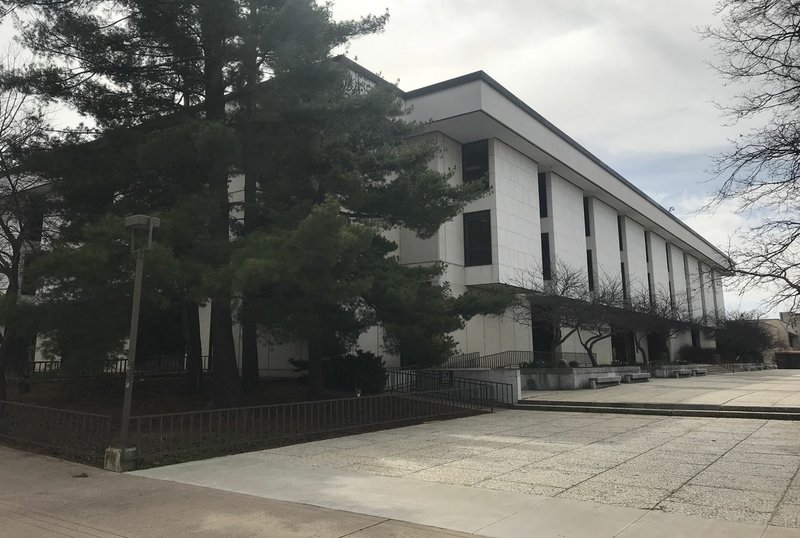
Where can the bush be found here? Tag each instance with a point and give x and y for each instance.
(360, 370)
(743, 338)
(689, 354)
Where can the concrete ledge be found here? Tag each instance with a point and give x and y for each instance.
(680, 410)
(641, 377)
(120, 460)
(570, 378)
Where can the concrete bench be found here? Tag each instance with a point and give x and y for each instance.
(636, 377)
(606, 380)
(752, 368)
(699, 371)
(682, 373)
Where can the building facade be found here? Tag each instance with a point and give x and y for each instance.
(551, 202)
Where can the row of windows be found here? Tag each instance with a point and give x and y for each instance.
(478, 229)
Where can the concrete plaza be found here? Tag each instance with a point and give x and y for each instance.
(518, 473)
(43, 497)
(764, 389)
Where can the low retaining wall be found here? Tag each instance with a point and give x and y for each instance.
(498, 375)
(668, 370)
(569, 378)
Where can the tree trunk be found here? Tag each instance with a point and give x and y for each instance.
(227, 385)
(12, 362)
(226, 374)
(316, 378)
(193, 345)
(3, 384)
(639, 346)
(250, 375)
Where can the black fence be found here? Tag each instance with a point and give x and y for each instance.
(81, 436)
(530, 359)
(149, 367)
(174, 437)
(404, 380)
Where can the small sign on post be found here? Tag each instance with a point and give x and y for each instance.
(445, 378)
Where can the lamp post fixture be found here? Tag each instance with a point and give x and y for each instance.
(141, 227)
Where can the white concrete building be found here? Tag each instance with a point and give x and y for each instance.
(551, 201)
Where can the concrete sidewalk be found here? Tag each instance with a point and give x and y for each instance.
(769, 389)
(43, 497)
(485, 512)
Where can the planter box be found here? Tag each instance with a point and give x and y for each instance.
(569, 378)
(669, 370)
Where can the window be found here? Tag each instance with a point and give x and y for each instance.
(543, 196)
(647, 246)
(587, 225)
(477, 238)
(624, 282)
(669, 259)
(619, 233)
(650, 291)
(475, 161)
(590, 269)
(547, 273)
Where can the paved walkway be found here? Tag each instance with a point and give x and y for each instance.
(43, 497)
(772, 388)
(528, 473)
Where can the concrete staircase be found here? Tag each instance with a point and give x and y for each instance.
(715, 369)
(668, 409)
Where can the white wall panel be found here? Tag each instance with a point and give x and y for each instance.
(634, 256)
(517, 197)
(606, 240)
(568, 243)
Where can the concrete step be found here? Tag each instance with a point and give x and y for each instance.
(715, 411)
(715, 369)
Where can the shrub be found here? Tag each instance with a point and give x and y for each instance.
(701, 355)
(362, 370)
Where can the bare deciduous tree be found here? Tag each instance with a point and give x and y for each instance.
(657, 314)
(22, 209)
(568, 305)
(758, 47)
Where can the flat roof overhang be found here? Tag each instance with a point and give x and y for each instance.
(475, 107)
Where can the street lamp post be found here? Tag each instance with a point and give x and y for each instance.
(141, 226)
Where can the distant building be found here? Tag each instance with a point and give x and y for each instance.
(786, 329)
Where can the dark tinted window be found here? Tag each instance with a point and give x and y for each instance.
(624, 281)
(475, 161)
(546, 265)
(590, 269)
(586, 221)
(542, 196)
(477, 238)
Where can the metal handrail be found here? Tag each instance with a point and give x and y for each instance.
(67, 432)
(165, 436)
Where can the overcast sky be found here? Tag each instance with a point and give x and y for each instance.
(627, 79)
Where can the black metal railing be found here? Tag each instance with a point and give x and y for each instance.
(160, 438)
(463, 358)
(404, 380)
(70, 433)
(147, 367)
(509, 359)
(559, 359)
